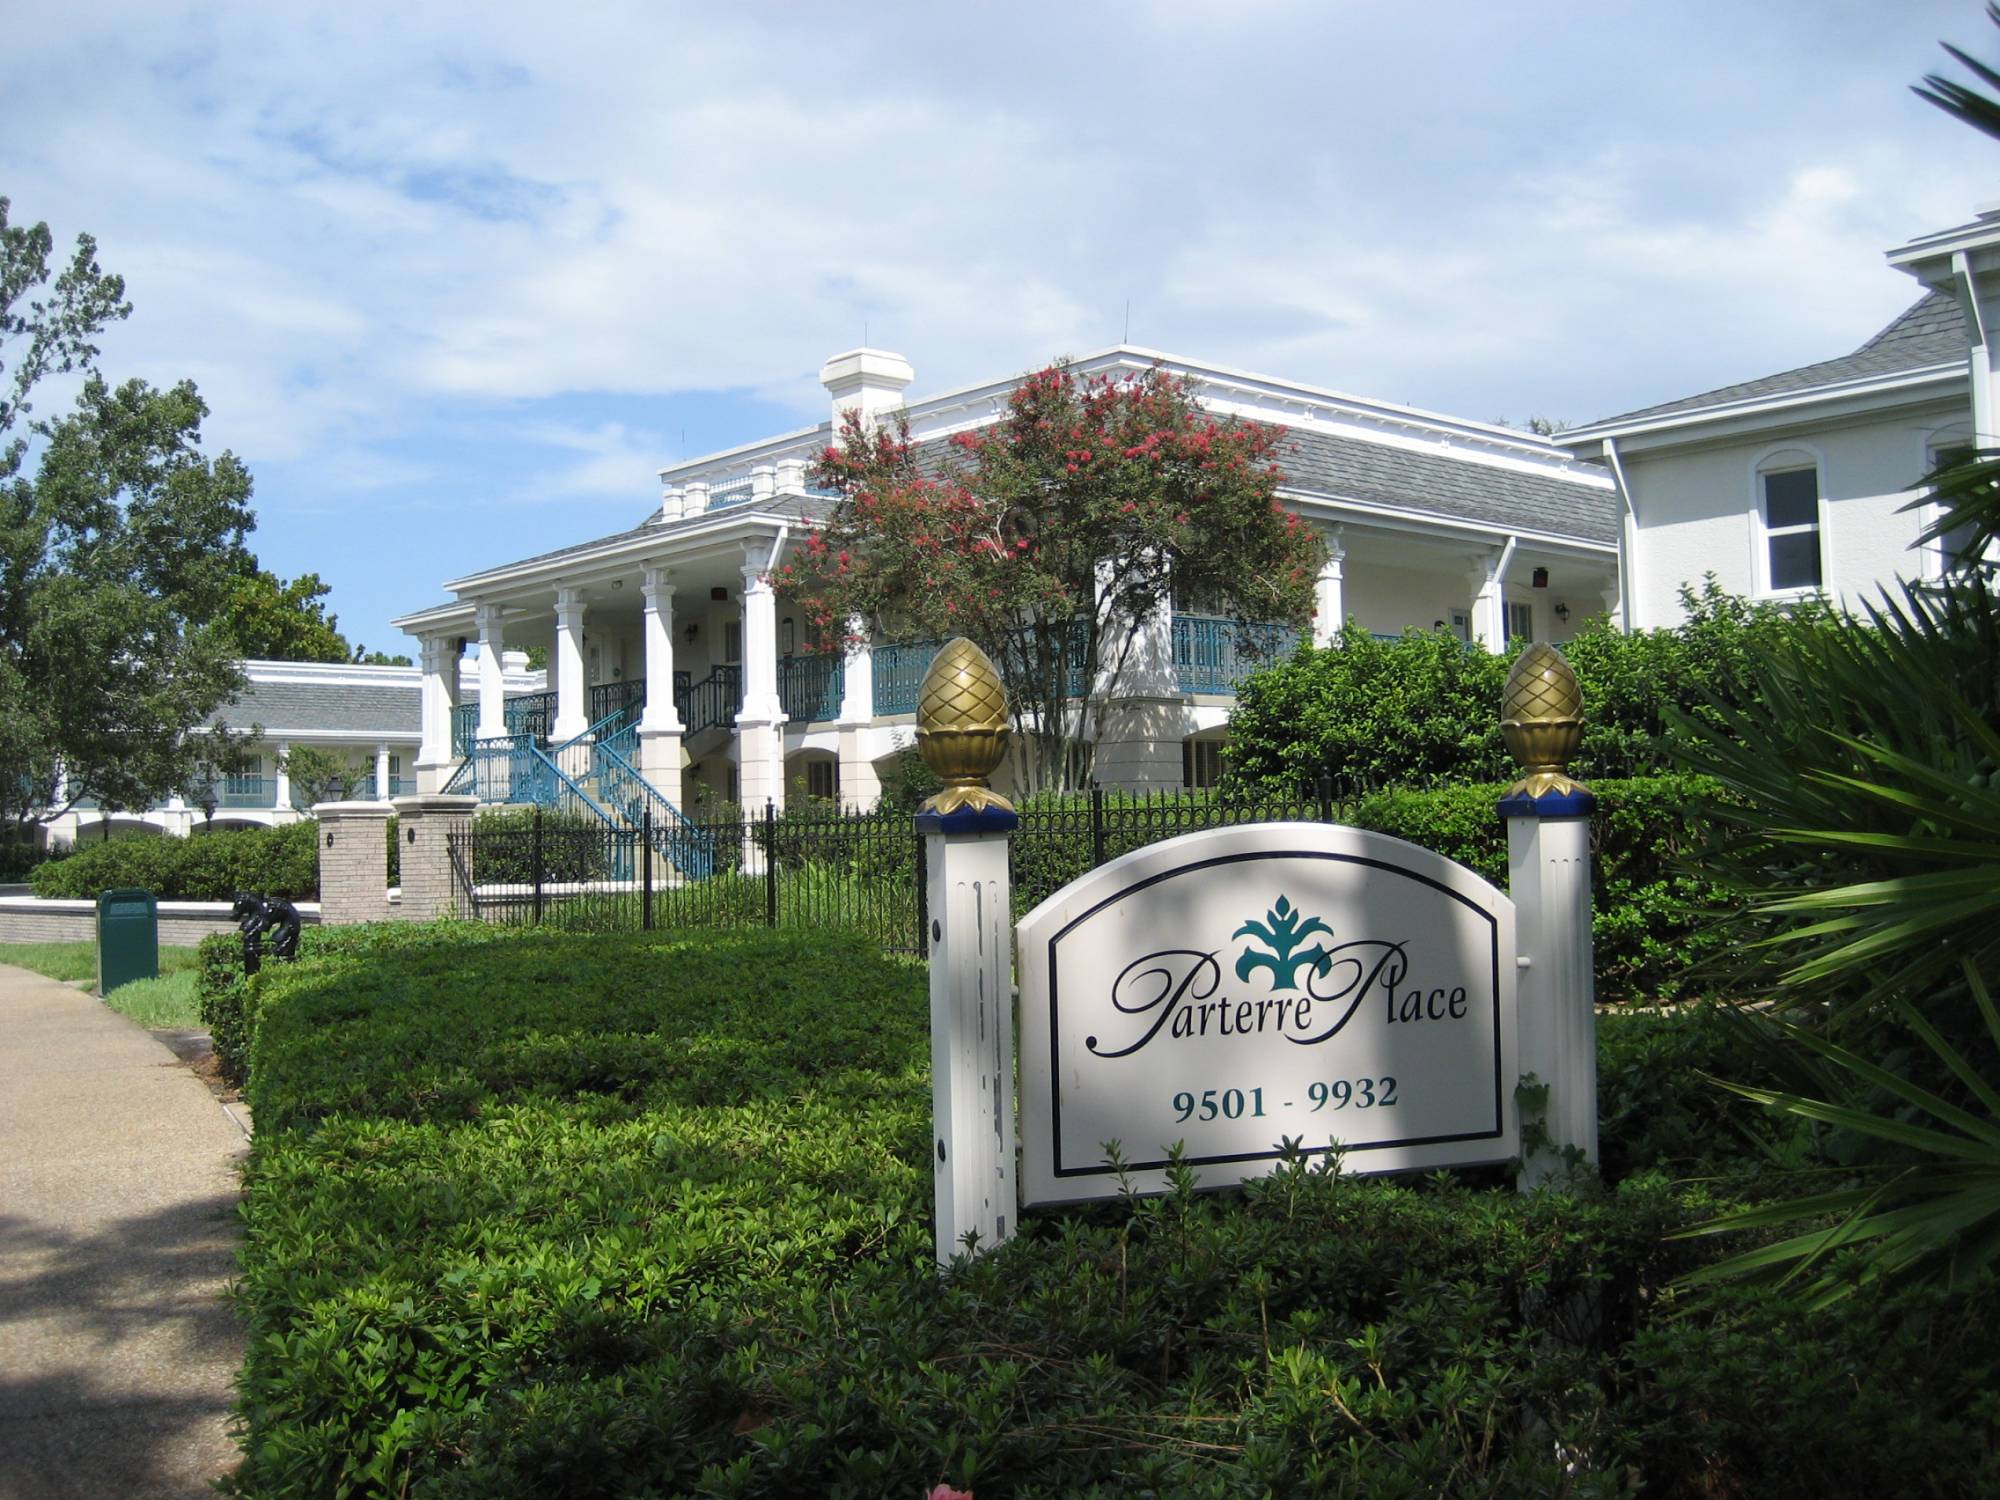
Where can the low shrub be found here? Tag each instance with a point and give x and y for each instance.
(574, 846)
(628, 1215)
(207, 866)
(230, 1001)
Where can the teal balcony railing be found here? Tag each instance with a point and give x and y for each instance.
(627, 699)
(1213, 654)
(811, 687)
(899, 672)
(247, 791)
(712, 703)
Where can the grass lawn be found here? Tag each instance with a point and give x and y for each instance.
(166, 1002)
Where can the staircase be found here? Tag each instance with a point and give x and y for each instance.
(516, 768)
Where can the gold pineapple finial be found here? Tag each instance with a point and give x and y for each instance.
(962, 727)
(1541, 719)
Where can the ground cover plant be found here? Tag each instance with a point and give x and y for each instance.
(648, 1215)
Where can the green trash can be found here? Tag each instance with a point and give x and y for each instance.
(128, 938)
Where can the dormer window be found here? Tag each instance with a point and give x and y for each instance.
(1791, 530)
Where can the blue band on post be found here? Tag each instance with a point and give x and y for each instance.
(1577, 804)
(969, 820)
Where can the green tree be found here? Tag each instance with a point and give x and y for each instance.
(1090, 505)
(117, 555)
(273, 620)
(324, 775)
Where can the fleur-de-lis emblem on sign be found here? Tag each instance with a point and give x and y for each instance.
(1282, 933)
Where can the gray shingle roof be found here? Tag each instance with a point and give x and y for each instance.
(335, 708)
(1340, 468)
(1442, 485)
(1931, 332)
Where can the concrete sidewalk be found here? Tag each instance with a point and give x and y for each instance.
(117, 1236)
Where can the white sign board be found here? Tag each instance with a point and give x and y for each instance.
(1232, 989)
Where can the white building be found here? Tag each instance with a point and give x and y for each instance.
(676, 665)
(367, 716)
(1808, 482)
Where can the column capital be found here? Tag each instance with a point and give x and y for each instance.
(569, 600)
(655, 584)
(486, 621)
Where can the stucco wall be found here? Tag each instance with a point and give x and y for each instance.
(1697, 508)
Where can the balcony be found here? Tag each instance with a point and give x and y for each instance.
(899, 672)
(712, 703)
(248, 791)
(1212, 654)
(811, 687)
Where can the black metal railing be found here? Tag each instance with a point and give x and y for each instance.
(810, 867)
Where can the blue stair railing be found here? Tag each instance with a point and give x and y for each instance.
(674, 836)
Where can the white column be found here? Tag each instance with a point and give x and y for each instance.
(972, 1029)
(660, 726)
(763, 481)
(492, 689)
(572, 717)
(860, 785)
(1329, 596)
(281, 779)
(760, 638)
(673, 502)
(1487, 627)
(1548, 862)
(760, 735)
(382, 787)
(791, 477)
(660, 715)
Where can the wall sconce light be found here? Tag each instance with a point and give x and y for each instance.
(1562, 613)
(1541, 578)
(329, 841)
(692, 633)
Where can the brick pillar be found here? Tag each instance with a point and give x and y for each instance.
(353, 862)
(425, 824)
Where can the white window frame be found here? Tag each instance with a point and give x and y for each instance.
(1952, 439)
(1788, 458)
(1508, 606)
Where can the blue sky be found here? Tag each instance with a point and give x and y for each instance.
(456, 279)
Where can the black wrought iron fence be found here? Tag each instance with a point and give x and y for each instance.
(810, 867)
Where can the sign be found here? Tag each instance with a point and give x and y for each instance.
(1234, 989)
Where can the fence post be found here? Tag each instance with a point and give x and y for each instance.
(353, 862)
(646, 868)
(1325, 798)
(1548, 869)
(1096, 826)
(536, 869)
(427, 824)
(770, 865)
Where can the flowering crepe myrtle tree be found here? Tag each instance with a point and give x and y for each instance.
(1044, 538)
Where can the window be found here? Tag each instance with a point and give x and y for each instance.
(1201, 763)
(1520, 622)
(1791, 529)
(1955, 545)
(822, 779)
(732, 641)
(248, 782)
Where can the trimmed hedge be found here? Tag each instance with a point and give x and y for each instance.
(1652, 913)
(208, 866)
(1422, 709)
(624, 1216)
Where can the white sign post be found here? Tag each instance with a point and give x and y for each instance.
(1548, 863)
(1234, 990)
(972, 1025)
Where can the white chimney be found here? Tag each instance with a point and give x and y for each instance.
(870, 381)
